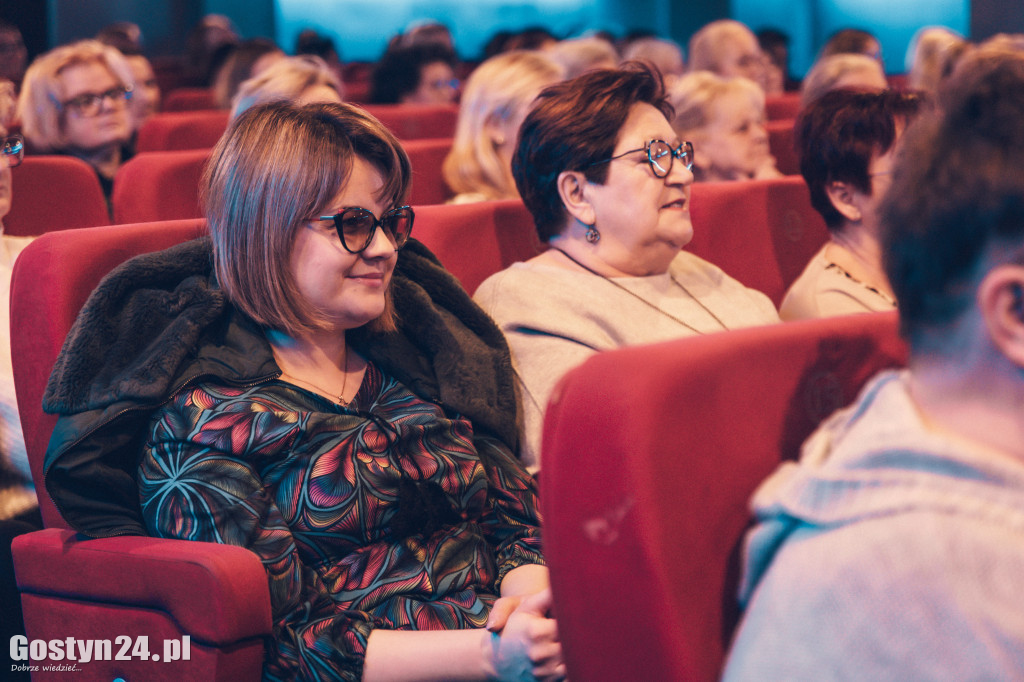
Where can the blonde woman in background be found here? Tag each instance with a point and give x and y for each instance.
(579, 55)
(664, 55)
(724, 118)
(842, 71)
(497, 98)
(75, 101)
(302, 80)
(933, 52)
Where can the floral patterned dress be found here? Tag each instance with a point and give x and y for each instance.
(384, 514)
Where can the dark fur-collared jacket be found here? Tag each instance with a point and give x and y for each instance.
(159, 323)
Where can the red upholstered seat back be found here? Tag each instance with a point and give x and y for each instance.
(159, 186)
(52, 278)
(476, 240)
(416, 121)
(188, 99)
(781, 142)
(427, 156)
(786, 105)
(51, 193)
(762, 232)
(181, 130)
(650, 457)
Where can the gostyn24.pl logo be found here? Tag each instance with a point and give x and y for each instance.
(68, 653)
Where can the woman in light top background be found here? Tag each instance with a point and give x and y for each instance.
(607, 181)
(724, 118)
(847, 142)
(497, 96)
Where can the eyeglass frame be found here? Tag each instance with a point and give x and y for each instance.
(651, 162)
(377, 223)
(13, 158)
(113, 94)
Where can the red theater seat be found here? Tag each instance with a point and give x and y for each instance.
(762, 232)
(416, 121)
(781, 142)
(784, 106)
(476, 240)
(427, 156)
(181, 130)
(650, 457)
(188, 99)
(159, 186)
(121, 586)
(51, 193)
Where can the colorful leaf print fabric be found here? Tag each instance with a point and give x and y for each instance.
(385, 514)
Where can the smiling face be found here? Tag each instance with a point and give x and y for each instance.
(347, 289)
(734, 144)
(643, 220)
(111, 126)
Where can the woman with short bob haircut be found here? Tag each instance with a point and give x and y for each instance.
(303, 79)
(607, 182)
(496, 99)
(74, 100)
(366, 456)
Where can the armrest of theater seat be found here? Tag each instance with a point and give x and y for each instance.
(216, 593)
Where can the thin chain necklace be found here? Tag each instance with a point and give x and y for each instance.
(878, 292)
(340, 400)
(645, 301)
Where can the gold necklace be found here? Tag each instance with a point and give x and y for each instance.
(645, 301)
(340, 400)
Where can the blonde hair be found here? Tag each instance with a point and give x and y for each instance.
(931, 56)
(277, 166)
(39, 106)
(664, 55)
(285, 80)
(829, 71)
(497, 90)
(706, 45)
(694, 95)
(579, 55)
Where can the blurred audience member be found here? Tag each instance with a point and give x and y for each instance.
(893, 550)
(775, 45)
(497, 98)
(127, 38)
(312, 43)
(208, 43)
(579, 55)
(664, 55)
(427, 32)
(17, 494)
(724, 118)
(421, 74)
(847, 142)
(842, 71)
(852, 41)
(728, 48)
(248, 59)
(13, 54)
(531, 38)
(932, 54)
(74, 101)
(300, 80)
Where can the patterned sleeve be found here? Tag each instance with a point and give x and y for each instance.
(205, 487)
(512, 522)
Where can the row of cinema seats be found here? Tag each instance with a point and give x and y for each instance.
(762, 232)
(677, 436)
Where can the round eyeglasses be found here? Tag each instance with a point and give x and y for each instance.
(89, 104)
(356, 225)
(660, 156)
(14, 150)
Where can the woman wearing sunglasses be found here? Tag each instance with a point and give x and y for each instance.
(317, 388)
(608, 184)
(74, 100)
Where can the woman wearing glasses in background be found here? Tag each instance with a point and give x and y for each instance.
(318, 389)
(608, 184)
(74, 100)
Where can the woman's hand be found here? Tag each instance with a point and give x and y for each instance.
(527, 647)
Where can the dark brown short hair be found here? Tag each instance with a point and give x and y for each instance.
(277, 166)
(572, 125)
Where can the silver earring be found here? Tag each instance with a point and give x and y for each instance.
(592, 235)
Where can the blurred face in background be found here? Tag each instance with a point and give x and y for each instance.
(734, 144)
(438, 85)
(92, 126)
(146, 95)
(742, 56)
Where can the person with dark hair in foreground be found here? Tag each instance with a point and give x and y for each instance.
(894, 549)
(312, 385)
(847, 141)
(607, 181)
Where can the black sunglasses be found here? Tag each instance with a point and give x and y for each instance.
(356, 226)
